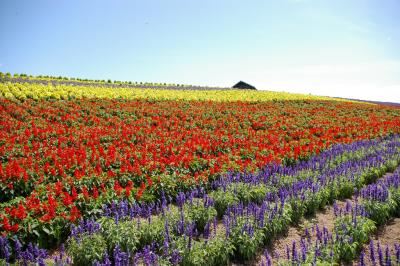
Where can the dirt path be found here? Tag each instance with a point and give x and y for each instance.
(388, 234)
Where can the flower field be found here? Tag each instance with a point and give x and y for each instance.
(122, 176)
(24, 91)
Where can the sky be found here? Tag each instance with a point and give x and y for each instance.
(343, 48)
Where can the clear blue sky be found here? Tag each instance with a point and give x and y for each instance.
(339, 48)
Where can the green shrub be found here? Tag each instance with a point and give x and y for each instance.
(380, 212)
(152, 232)
(200, 214)
(124, 234)
(277, 225)
(352, 236)
(215, 252)
(245, 244)
(222, 200)
(89, 249)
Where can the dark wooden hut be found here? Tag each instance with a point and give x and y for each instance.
(243, 86)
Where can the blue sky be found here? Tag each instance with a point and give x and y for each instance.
(339, 48)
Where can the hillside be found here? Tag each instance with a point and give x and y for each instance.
(130, 176)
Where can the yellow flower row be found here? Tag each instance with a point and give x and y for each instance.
(23, 91)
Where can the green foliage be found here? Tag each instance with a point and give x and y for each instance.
(380, 212)
(124, 234)
(223, 199)
(352, 233)
(247, 193)
(298, 209)
(150, 232)
(245, 244)
(258, 193)
(344, 188)
(200, 214)
(315, 201)
(89, 249)
(216, 251)
(395, 196)
(277, 225)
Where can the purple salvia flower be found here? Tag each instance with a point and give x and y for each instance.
(317, 252)
(318, 234)
(303, 246)
(56, 260)
(166, 227)
(227, 225)
(41, 262)
(106, 260)
(380, 255)
(348, 206)
(287, 252)
(268, 258)
(388, 258)
(4, 248)
(372, 252)
(189, 233)
(397, 247)
(307, 233)
(361, 261)
(206, 233)
(331, 253)
(180, 199)
(136, 259)
(175, 257)
(294, 252)
(181, 223)
(17, 248)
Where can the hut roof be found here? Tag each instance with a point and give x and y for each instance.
(243, 86)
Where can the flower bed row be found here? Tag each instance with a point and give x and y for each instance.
(26, 90)
(188, 233)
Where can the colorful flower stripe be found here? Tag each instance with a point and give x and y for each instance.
(24, 91)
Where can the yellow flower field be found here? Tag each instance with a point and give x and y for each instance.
(23, 91)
